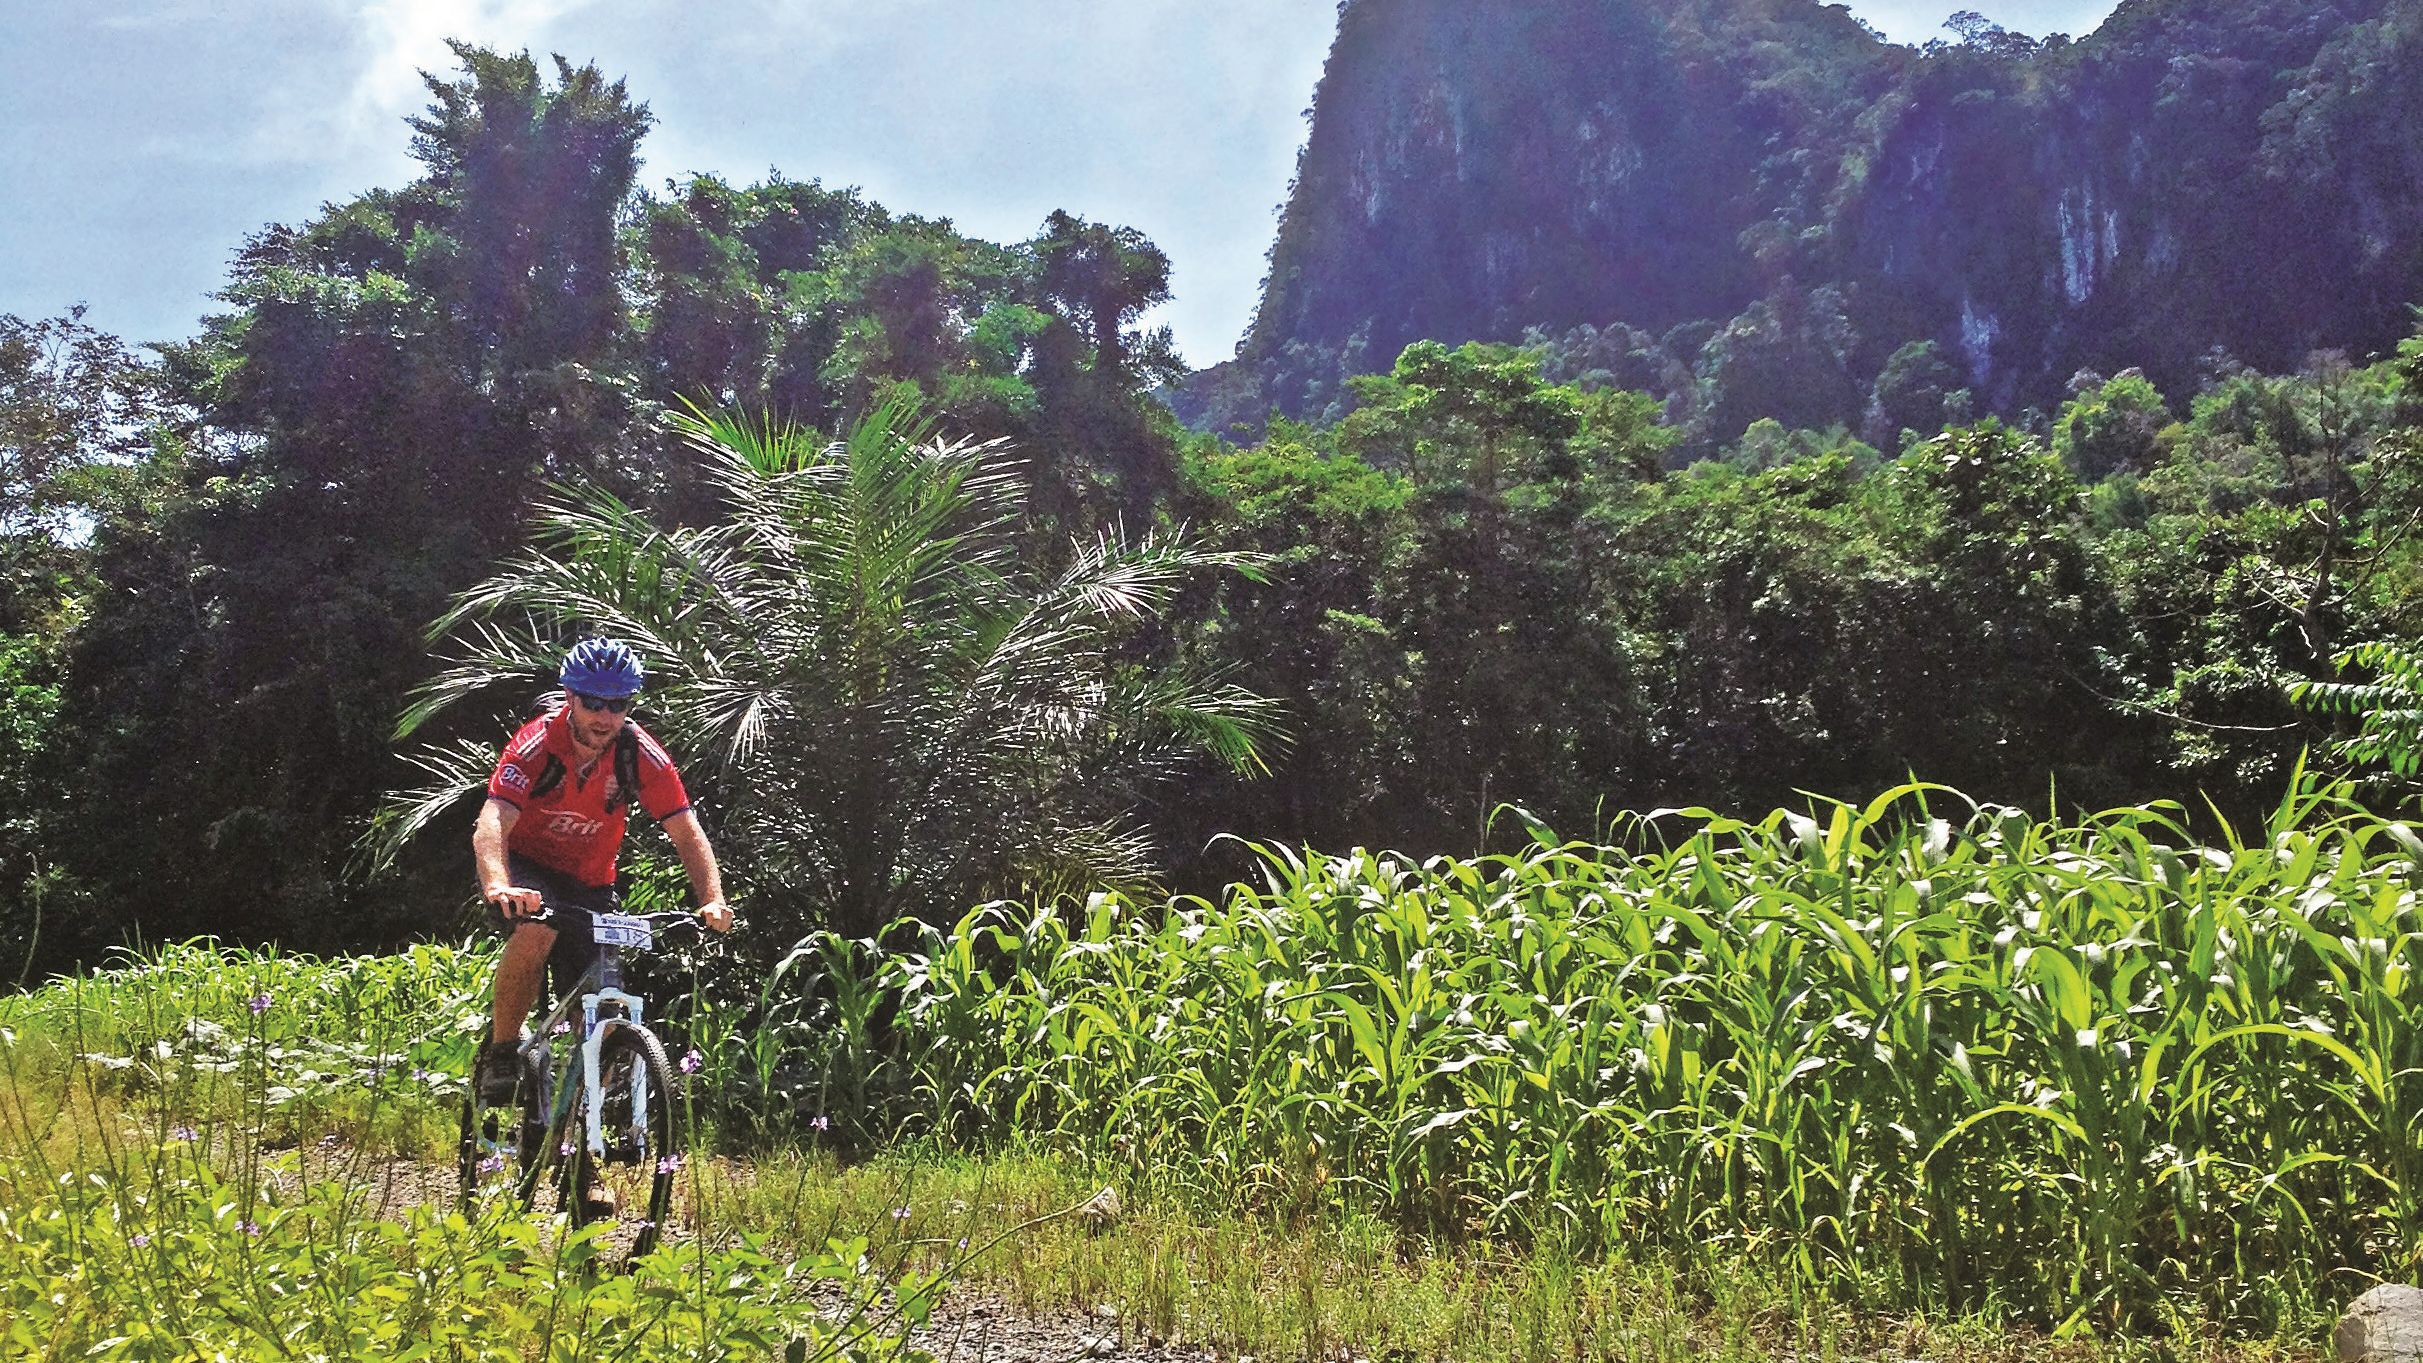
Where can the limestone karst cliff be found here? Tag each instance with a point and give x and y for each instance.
(1766, 189)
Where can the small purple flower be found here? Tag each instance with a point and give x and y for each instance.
(900, 1213)
(560, 1028)
(259, 1003)
(138, 1240)
(491, 1164)
(249, 1227)
(691, 1060)
(564, 1150)
(670, 1164)
(963, 1242)
(820, 1122)
(183, 1132)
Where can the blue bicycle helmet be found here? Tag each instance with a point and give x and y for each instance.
(603, 667)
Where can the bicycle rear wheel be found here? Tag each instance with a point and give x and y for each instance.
(631, 1186)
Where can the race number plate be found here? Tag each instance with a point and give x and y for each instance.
(622, 930)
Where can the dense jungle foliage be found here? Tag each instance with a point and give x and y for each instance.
(1493, 580)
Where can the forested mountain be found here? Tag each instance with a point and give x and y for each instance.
(1752, 205)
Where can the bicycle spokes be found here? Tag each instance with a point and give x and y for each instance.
(605, 1154)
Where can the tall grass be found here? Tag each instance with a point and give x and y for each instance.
(1928, 1054)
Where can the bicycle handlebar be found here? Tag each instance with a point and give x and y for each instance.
(666, 917)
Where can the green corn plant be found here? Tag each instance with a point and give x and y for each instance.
(1952, 1054)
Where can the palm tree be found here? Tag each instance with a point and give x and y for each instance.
(882, 710)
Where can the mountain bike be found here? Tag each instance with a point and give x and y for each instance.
(594, 1132)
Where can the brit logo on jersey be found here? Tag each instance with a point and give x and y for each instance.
(565, 823)
(512, 777)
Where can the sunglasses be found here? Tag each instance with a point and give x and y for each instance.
(610, 704)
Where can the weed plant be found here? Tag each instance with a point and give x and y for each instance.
(1352, 1285)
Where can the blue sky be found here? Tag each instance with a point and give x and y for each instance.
(145, 138)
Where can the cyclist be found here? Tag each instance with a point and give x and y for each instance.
(557, 806)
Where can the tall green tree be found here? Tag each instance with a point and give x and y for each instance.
(77, 411)
(903, 296)
(2011, 618)
(70, 396)
(1523, 688)
(391, 386)
(2113, 426)
(1099, 280)
(1329, 529)
(530, 177)
(1917, 391)
(1111, 453)
(1785, 358)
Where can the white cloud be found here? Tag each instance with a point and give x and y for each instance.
(348, 108)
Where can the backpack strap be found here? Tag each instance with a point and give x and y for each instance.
(626, 767)
(550, 776)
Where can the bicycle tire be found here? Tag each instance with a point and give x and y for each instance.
(641, 1155)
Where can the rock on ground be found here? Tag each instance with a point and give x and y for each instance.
(2385, 1325)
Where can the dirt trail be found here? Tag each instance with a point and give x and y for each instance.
(970, 1326)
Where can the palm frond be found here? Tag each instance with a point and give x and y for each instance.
(767, 445)
(453, 772)
(489, 657)
(1231, 723)
(1069, 860)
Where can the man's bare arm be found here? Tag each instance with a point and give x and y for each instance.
(488, 854)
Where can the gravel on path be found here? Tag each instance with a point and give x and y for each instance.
(979, 1329)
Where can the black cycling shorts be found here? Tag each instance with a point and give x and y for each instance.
(575, 905)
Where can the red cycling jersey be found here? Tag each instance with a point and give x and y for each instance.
(577, 826)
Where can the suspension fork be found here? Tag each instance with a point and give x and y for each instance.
(593, 1046)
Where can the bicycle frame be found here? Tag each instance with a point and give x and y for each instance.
(603, 1004)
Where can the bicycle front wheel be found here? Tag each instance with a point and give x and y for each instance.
(630, 1186)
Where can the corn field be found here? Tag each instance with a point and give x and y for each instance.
(1920, 1051)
